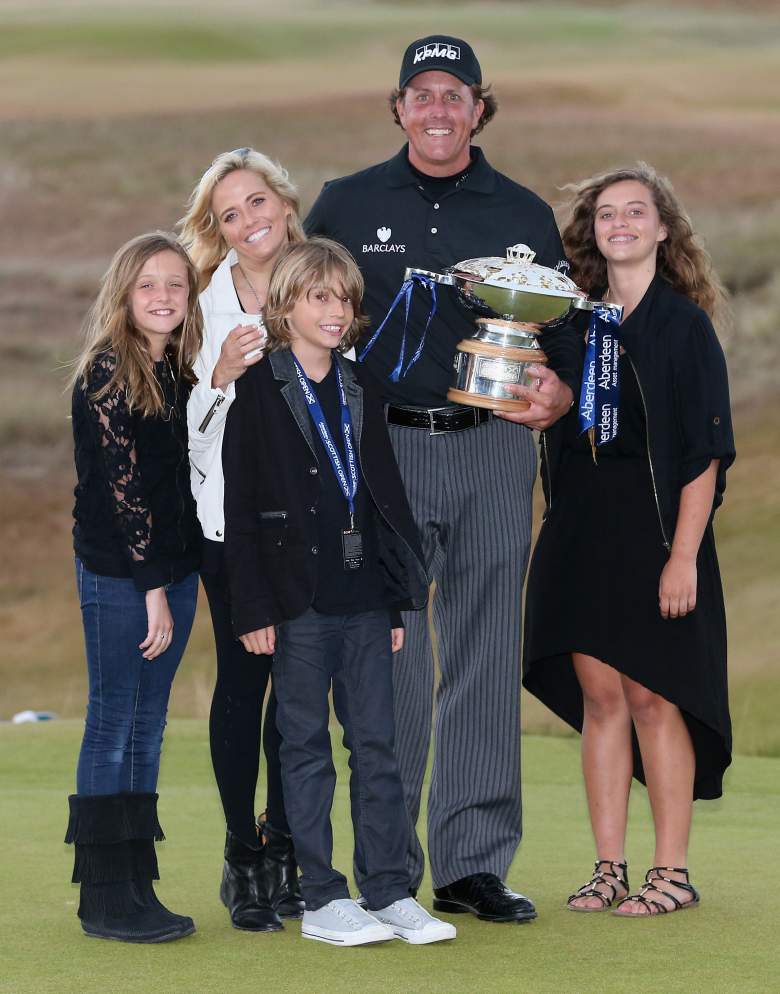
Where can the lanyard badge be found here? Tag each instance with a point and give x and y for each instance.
(348, 477)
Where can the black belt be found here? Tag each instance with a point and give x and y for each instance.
(436, 420)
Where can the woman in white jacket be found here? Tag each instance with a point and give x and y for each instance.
(240, 217)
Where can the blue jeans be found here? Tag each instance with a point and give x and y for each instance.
(128, 695)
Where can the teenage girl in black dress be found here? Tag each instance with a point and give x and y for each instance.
(625, 634)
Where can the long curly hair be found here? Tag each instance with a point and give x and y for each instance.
(682, 260)
(200, 228)
(109, 326)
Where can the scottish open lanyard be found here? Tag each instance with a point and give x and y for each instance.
(600, 391)
(405, 294)
(348, 478)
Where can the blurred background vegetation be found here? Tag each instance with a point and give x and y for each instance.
(110, 112)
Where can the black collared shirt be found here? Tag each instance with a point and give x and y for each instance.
(388, 220)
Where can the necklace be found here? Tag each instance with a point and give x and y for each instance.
(254, 292)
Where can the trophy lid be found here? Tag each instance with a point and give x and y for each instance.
(517, 271)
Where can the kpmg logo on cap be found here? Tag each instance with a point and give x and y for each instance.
(437, 51)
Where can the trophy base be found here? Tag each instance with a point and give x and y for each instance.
(489, 403)
(485, 370)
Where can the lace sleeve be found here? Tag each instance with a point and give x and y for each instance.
(114, 425)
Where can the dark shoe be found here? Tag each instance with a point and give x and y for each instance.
(115, 864)
(486, 896)
(281, 873)
(243, 889)
(144, 889)
(119, 911)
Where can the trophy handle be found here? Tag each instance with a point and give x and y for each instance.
(446, 278)
(583, 304)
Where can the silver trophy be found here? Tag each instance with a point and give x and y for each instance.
(515, 299)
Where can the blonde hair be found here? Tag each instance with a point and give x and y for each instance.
(682, 260)
(200, 227)
(317, 262)
(109, 326)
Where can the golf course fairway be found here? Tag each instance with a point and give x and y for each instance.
(725, 945)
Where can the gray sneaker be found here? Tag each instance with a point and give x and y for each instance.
(412, 923)
(343, 923)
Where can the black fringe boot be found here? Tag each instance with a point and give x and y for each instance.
(281, 872)
(115, 863)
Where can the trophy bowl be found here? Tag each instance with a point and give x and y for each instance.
(514, 299)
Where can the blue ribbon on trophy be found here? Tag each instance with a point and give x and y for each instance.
(600, 391)
(405, 294)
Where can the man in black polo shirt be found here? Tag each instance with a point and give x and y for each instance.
(469, 475)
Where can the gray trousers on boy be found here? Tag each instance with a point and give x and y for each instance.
(351, 652)
(470, 493)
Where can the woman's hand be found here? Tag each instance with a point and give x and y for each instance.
(160, 623)
(261, 642)
(677, 589)
(397, 639)
(239, 351)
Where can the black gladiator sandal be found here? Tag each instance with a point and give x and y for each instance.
(654, 877)
(115, 864)
(613, 875)
(281, 871)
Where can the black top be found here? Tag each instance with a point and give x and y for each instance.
(683, 384)
(390, 219)
(341, 591)
(438, 186)
(134, 512)
(274, 484)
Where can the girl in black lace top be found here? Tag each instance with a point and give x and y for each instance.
(137, 544)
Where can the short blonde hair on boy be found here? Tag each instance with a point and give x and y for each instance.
(319, 262)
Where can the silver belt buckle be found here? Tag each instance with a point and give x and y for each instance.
(431, 412)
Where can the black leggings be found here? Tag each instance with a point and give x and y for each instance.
(236, 716)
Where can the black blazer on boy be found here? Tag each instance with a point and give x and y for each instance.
(272, 490)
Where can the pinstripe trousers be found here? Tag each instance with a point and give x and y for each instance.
(470, 493)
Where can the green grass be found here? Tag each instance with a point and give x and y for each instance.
(195, 35)
(727, 946)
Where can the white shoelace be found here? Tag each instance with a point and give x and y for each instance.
(415, 919)
(347, 917)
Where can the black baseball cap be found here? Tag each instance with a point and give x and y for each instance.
(451, 55)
